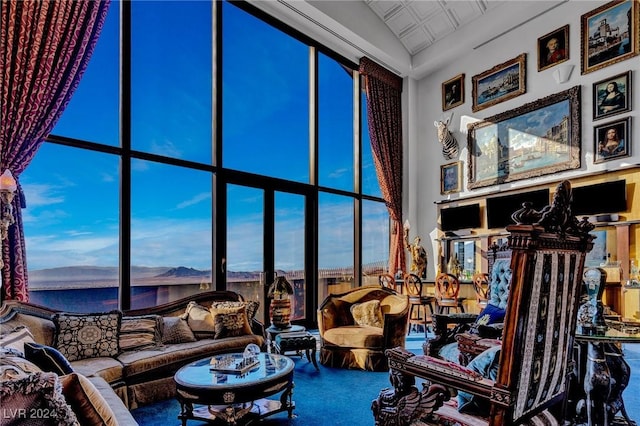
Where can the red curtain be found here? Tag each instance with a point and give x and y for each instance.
(44, 49)
(384, 113)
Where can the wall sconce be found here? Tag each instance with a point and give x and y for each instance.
(8, 187)
(562, 73)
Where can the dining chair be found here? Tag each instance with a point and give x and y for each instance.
(481, 287)
(447, 290)
(387, 281)
(412, 287)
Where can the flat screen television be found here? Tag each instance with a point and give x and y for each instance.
(500, 209)
(607, 197)
(461, 217)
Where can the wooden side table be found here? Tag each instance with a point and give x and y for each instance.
(297, 342)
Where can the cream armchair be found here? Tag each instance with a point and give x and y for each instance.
(356, 327)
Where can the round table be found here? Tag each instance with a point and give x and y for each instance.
(235, 397)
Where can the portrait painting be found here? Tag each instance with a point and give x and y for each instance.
(612, 140)
(609, 34)
(502, 82)
(553, 48)
(539, 138)
(453, 92)
(451, 178)
(612, 96)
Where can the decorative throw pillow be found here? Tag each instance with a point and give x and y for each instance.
(485, 364)
(80, 336)
(491, 314)
(232, 325)
(140, 332)
(199, 319)
(16, 338)
(226, 307)
(14, 367)
(85, 400)
(251, 307)
(47, 358)
(367, 313)
(34, 395)
(176, 330)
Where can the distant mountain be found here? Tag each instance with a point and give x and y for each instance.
(80, 273)
(182, 271)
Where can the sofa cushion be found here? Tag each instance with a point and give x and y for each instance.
(47, 358)
(85, 400)
(354, 336)
(108, 368)
(367, 313)
(139, 332)
(232, 324)
(38, 394)
(42, 329)
(337, 314)
(16, 338)
(176, 330)
(200, 320)
(80, 336)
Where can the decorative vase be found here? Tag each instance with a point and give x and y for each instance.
(280, 312)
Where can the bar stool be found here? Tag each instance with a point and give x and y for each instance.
(418, 303)
(447, 290)
(482, 289)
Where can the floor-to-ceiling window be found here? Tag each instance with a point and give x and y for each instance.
(199, 118)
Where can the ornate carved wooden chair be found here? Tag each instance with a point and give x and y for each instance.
(481, 287)
(534, 362)
(447, 290)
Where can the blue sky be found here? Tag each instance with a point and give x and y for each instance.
(72, 214)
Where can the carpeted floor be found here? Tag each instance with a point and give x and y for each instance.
(343, 397)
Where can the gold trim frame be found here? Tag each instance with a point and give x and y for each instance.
(538, 138)
(453, 92)
(616, 18)
(561, 37)
(451, 178)
(502, 82)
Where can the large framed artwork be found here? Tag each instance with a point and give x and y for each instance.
(609, 34)
(502, 82)
(553, 48)
(538, 138)
(612, 96)
(612, 140)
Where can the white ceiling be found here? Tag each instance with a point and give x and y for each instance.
(410, 37)
(418, 24)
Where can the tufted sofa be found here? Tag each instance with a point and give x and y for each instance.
(357, 326)
(140, 376)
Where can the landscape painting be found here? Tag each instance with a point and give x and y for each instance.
(539, 138)
(500, 83)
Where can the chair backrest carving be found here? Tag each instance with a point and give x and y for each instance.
(481, 287)
(387, 281)
(412, 285)
(447, 286)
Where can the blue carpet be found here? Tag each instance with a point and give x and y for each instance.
(343, 397)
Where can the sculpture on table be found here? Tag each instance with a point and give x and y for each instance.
(280, 308)
(418, 253)
(453, 266)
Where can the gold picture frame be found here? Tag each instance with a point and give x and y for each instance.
(453, 92)
(500, 83)
(451, 178)
(619, 20)
(553, 48)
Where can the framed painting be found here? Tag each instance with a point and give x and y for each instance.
(538, 138)
(553, 48)
(502, 82)
(612, 140)
(451, 178)
(612, 96)
(453, 92)
(609, 34)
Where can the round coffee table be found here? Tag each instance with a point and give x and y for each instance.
(231, 398)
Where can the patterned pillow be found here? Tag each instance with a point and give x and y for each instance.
(47, 358)
(140, 332)
(36, 393)
(199, 319)
(16, 339)
(226, 307)
(14, 366)
(176, 330)
(251, 308)
(367, 313)
(232, 324)
(80, 336)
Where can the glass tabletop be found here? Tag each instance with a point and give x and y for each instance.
(620, 333)
(199, 373)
